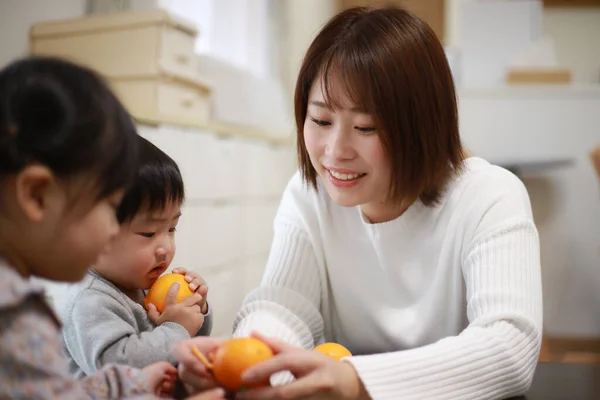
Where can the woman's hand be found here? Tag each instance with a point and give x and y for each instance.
(197, 284)
(192, 372)
(317, 376)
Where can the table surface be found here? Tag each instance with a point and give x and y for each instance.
(563, 381)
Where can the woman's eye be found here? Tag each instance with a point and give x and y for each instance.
(365, 129)
(148, 235)
(320, 122)
(173, 230)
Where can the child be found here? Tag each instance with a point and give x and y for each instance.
(104, 317)
(67, 147)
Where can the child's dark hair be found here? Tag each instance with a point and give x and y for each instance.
(65, 117)
(157, 183)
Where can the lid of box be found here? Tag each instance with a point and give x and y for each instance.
(100, 22)
(194, 82)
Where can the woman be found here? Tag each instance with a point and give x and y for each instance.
(424, 264)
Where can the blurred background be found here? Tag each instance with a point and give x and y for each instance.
(211, 83)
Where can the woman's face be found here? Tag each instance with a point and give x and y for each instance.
(345, 150)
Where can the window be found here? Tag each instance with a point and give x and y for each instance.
(241, 32)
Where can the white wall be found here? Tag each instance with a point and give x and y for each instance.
(17, 16)
(575, 32)
(547, 123)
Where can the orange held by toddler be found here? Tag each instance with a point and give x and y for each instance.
(157, 294)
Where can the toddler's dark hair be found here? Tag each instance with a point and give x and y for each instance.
(64, 116)
(157, 183)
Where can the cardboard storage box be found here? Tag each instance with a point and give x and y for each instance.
(148, 58)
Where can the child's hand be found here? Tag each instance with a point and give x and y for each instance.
(161, 378)
(187, 313)
(196, 283)
(192, 372)
(213, 394)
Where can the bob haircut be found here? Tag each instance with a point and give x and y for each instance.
(391, 64)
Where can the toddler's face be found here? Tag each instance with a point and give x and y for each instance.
(143, 249)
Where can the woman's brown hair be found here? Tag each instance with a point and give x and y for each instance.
(391, 64)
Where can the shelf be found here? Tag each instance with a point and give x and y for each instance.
(571, 3)
(529, 166)
(533, 91)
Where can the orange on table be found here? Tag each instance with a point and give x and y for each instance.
(333, 350)
(232, 358)
(157, 294)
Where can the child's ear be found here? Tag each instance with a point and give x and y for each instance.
(33, 187)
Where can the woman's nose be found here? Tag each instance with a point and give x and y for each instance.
(339, 146)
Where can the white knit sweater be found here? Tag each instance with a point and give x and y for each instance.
(440, 303)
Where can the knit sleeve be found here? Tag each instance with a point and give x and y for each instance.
(287, 302)
(496, 355)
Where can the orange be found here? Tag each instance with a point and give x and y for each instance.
(333, 350)
(157, 294)
(232, 358)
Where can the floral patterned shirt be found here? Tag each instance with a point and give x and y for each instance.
(33, 364)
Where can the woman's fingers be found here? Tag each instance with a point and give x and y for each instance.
(299, 362)
(276, 345)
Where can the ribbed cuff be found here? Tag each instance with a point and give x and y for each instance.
(177, 329)
(481, 363)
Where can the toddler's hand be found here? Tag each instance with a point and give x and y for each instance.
(161, 378)
(196, 284)
(192, 372)
(187, 313)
